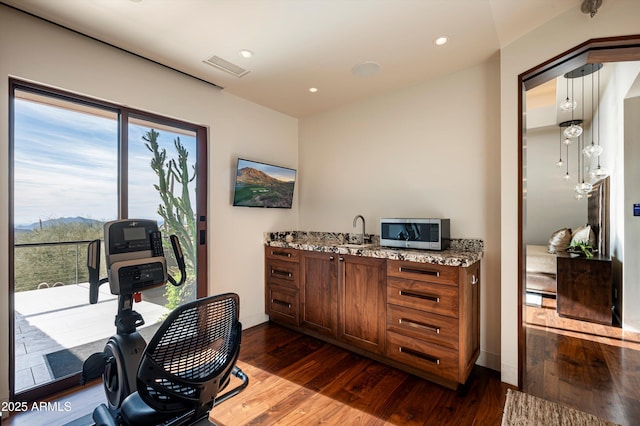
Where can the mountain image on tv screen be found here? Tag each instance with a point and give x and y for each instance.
(263, 185)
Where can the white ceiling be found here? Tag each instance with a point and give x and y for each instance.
(299, 44)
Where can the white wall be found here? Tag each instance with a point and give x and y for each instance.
(553, 38)
(618, 126)
(33, 50)
(550, 204)
(430, 150)
(631, 274)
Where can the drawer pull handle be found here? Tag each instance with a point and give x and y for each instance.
(420, 325)
(420, 296)
(420, 355)
(420, 271)
(281, 253)
(474, 280)
(281, 303)
(283, 273)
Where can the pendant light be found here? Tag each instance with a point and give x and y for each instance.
(599, 172)
(592, 150)
(568, 104)
(564, 125)
(573, 130)
(582, 188)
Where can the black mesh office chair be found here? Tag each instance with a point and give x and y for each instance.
(187, 363)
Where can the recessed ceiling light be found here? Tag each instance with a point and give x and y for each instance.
(246, 53)
(441, 40)
(313, 89)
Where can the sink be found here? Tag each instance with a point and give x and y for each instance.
(356, 246)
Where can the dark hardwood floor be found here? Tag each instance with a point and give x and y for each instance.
(587, 366)
(295, 379)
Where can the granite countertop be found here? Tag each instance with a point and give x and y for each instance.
(462, 252)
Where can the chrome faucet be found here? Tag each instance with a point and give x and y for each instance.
(355, 221)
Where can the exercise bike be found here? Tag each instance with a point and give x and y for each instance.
(135, 262)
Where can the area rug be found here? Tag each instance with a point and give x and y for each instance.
(521, 409)
(69, 361)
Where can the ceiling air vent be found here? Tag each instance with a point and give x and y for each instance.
(226, 66)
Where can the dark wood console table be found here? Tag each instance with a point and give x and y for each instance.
(584, 288)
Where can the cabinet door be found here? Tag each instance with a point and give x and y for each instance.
(319, 292)
(362, 302)
(469, 319)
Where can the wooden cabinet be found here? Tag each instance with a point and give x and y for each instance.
(343, 297)
(361, 302)
(282, 291)
(319, 287)
(584, 288)
(433, 318)
(423, 318)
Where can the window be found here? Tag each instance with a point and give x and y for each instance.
(77, 163)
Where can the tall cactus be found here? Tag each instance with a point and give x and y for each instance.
(177, 211)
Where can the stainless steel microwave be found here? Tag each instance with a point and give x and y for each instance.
(426, 234)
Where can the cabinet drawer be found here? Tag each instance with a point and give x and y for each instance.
(441, 274)
(422, 355)
(283, 273)
(282, 304)
(422, 325)
(286, 254)
(434, 298)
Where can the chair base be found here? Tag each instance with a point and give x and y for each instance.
(135, 412)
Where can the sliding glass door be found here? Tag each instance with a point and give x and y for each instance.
(76, 164)
(162, 176)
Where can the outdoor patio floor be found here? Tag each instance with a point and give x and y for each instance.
(56, 318)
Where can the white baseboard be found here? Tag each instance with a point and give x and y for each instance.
(509, 374)
(489, 360)
(253, 320)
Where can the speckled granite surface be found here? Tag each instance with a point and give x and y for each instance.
(462, 252)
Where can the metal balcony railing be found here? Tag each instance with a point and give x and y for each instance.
(49, 264)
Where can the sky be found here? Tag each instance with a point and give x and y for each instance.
(66, 165)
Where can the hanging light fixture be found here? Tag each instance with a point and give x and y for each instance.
(599, 172)
(568, 104)
(582, 188)
(592, 150)
(568, 124)
(564, 125)
(573, 130)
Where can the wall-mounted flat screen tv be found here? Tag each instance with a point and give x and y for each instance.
(263, 185)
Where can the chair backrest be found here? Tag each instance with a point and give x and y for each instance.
(189, 359)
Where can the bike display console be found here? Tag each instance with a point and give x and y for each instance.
(135, 258)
